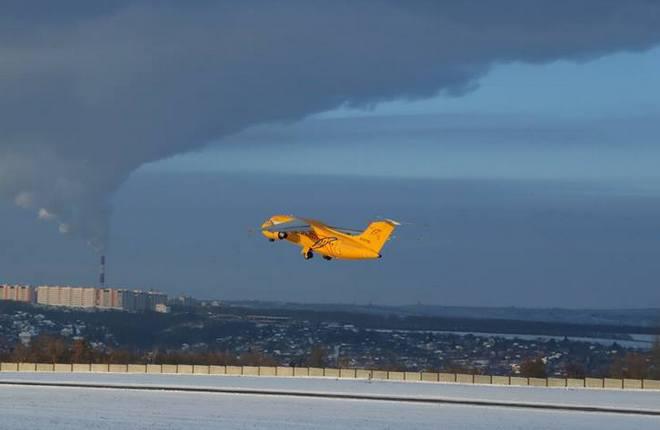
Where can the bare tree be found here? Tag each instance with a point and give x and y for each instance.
(533, 368)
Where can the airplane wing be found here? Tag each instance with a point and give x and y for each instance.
(304, 225)
(349, 231)
(295, 225)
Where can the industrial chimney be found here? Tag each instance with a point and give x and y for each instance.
(102, 272)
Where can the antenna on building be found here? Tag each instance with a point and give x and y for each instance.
(102, 272)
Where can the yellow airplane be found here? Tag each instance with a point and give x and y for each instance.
(330, 242)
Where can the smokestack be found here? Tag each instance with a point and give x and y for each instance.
(102, 272)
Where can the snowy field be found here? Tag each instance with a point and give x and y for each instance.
(31, 407)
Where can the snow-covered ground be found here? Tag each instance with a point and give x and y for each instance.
(561, 396)
(31, 407)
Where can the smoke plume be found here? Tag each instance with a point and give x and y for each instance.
(89, 90)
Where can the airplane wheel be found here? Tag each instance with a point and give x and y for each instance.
(271, 240)
(325, 257)
(282, 235)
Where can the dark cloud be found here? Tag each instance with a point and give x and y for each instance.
(92, 90)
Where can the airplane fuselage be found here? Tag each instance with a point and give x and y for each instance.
(318, 238)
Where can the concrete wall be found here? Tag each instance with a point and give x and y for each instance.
(251, 370)
(574, 383)
(483, 379)
(27, 367)
(8, 367)
(331, 373)
(62, 367)
(168, 368)
(185, 369)
(117, 368)
(301, 371)
(430, 376)
(347, 373)
(412, 376)
(556, 382)
(447, 377)
(612, 383)
(538, 382)
(234, 370)
(284, 371)
(200, 369)
(155, 368)
(649, 384)
(136, 368)
(217, 370)
(595, 383)
(501, 380)
(45, 367)
(464, 378)
(363, 374)
(270, 371)
(100, 368)
(81, 368)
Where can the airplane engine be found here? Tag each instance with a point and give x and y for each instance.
(282, 235)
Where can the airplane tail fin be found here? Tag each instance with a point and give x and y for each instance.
(377, 233)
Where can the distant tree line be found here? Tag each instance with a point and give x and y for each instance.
(58, 349)
(633, 365)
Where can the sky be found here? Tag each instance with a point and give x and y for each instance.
(521, 161)
(556, 121)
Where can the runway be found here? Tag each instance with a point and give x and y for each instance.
(343, 396)
(121, 401)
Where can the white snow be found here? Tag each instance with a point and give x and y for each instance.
(58, 408)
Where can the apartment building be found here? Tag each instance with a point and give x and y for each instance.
(17, 293)
(101, 298)
(74, 297)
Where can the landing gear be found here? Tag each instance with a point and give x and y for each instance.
(308, 254)
(325, 257)
(271, 240)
